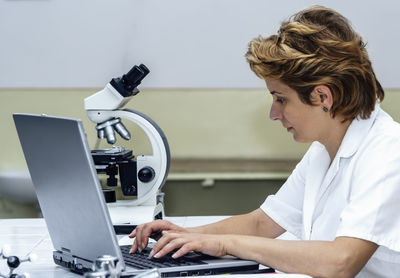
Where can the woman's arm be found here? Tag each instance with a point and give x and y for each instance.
(255, 223)
(343, 257)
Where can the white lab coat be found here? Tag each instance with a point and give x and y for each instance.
(358, 195)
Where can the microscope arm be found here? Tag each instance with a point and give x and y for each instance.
(159, 161)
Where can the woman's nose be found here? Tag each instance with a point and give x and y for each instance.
(275, 113)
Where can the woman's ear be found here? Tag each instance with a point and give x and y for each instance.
(322, 95)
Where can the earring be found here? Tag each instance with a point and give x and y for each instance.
(325, 109)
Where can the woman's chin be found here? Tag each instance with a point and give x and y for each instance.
(300, 139)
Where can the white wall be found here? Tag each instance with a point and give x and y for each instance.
(185, 43)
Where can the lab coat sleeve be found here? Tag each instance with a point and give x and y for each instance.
(373, 210)
(286, 206)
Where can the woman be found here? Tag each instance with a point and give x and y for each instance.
(341, 200)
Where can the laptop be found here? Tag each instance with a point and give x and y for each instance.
(73, 205)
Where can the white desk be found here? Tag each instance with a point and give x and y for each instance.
(31, 235)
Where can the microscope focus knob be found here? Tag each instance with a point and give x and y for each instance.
(146, 174)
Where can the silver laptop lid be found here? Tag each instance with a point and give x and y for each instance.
(67, 185)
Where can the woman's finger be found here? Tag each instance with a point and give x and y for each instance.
(172, 245)
(144, 231)
(162, 241)
(186, 248)
(133, 233)
(133, 248)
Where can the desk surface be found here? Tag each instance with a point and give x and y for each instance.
(30, 235)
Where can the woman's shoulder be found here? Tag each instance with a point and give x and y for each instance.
(383, 139)
(384, 125)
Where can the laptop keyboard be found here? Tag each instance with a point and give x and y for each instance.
(141, 260)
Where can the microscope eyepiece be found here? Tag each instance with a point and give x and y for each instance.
(133, 78)
(127, 84)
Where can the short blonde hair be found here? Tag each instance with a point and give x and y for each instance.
(318, 46)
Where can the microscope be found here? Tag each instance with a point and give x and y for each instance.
(140, 176)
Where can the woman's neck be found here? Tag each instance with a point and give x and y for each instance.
(334, 137)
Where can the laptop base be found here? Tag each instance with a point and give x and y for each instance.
(73, 263)
(80, 266)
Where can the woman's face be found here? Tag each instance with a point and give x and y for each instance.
(304, 121)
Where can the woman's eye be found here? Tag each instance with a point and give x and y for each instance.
(280, 100)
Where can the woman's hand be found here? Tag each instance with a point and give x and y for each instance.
(144, 231)
(185, 242)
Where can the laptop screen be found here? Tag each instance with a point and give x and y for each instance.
(66, 184)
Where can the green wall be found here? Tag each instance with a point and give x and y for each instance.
(199, 124)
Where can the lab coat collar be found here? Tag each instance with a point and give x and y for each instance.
(356, 133)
